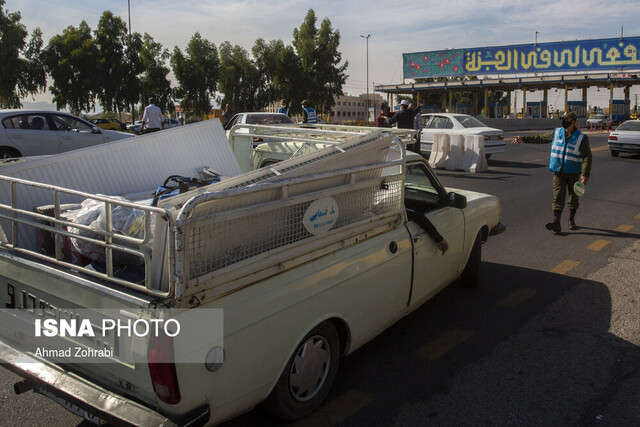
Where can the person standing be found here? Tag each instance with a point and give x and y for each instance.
(283, 108)
(152, 117)
(309, 113)
(404, 117)
(418, 125)
(228, 113)
(570, 162)
(385, 113)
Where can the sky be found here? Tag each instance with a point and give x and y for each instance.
(396, 27)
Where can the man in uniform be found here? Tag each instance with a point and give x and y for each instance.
(570, 162)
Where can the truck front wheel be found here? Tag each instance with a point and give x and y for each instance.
(308, 376)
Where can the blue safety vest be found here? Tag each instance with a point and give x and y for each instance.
(565, 154)
(311, 115)
(283, 110)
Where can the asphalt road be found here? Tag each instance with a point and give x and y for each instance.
(549, 338)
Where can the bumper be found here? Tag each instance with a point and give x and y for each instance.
(54, 382)
(626, 148)
(497, 229)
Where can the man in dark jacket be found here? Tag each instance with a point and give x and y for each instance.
(404, 117)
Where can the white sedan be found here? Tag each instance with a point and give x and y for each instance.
(625, 139)
(460, 124)
(40, 132)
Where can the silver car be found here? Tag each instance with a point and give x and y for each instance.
(460, 124)
(625, 139)
(40, 132)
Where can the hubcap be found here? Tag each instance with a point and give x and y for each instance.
(310, 368)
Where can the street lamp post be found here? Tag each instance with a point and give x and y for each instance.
(367, 110)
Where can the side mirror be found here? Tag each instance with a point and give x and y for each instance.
(95, 129)
(457, 201)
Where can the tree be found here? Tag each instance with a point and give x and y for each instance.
(21, 72)
(114, 66)
(240, 80)
(72, 58)
(279, 66)
(197, 74)
(154, 79)
(320, 60)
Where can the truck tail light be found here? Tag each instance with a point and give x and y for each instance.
(613, 138)
(163, 373)
(501, 137)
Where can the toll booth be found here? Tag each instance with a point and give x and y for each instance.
(621, 110)
(578, 107)
(496, 110)
(534, 110)
(463, 109)
(431, 108)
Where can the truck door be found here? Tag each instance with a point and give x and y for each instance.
(424, 195)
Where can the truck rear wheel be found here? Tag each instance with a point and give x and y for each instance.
(308, 376)
(471, 275)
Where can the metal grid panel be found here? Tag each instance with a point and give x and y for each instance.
(219, 243)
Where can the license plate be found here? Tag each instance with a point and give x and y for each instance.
(74, 409)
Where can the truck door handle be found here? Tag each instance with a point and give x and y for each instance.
(418, 237)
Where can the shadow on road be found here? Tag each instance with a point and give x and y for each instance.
(560, 323)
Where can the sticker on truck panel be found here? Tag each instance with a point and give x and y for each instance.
(321, 216)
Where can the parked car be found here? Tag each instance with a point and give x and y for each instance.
(109, 124)
(40, 132)
(599, 120)
(168, 123)
(460, 124)
(257, 119)
(625, 139)
(171, 123)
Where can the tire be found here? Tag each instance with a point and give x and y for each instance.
(471, 275)
(308, 377)
(8, 153)
(614, 153)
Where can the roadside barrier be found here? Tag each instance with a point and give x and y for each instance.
(458, 152)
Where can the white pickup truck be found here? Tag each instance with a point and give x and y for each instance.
(308, 259)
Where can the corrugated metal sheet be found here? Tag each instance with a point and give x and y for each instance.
(133, 166)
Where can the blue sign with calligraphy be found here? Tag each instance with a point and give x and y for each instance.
(581, 55)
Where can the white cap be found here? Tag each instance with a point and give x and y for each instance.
(404, 102)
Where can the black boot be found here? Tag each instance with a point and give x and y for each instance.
(555, 225)
(572, 220)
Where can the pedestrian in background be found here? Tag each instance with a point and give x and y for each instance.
(309, 113)
(228, 113)
(152, 117)
(385, 113)
(570, 162)
(404, 117)
(283, 108)
(418, 125)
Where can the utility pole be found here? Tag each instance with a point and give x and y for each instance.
(366, 115)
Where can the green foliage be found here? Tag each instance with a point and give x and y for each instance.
(21, 72)
(116, 69)
(241, 82)
(72, 59)
(197, 74)
(320, 68)
(154, 79)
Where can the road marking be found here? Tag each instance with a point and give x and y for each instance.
(598, 245)
(517, 297)
(624, 228)
(606, 147)
(444, 344)
(565, 266)
(342, 407)
(638, 216)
